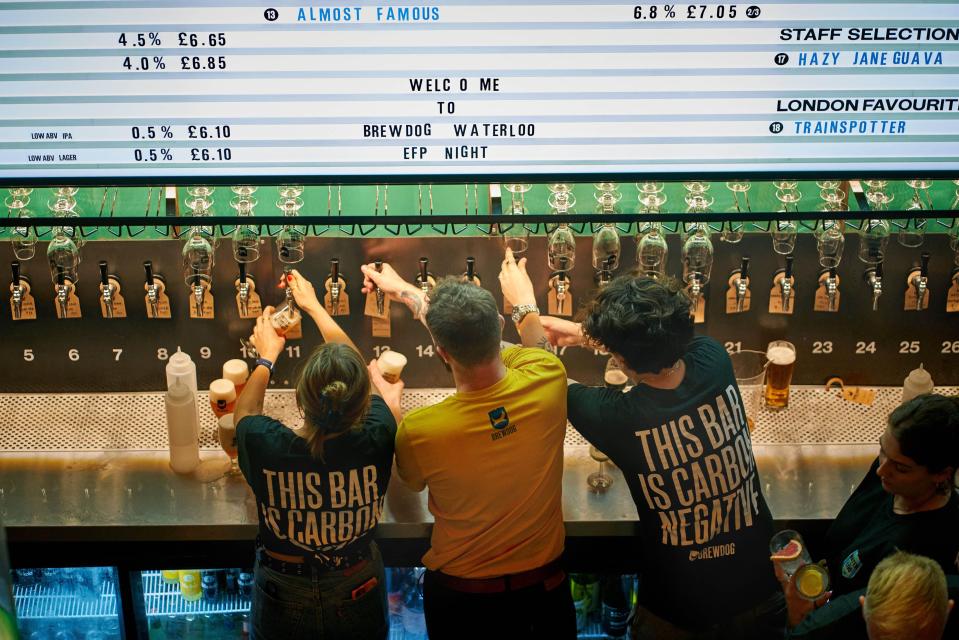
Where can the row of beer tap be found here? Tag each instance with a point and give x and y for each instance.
(697, 273)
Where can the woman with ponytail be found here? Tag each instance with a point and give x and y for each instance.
(319, 488)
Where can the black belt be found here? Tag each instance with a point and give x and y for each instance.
(312, 565)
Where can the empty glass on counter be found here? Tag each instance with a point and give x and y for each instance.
(599, 481)
(749, 367)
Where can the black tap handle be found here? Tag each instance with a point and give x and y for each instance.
(61, 275)
(15, 267)
(424, 264)
(832, 272)
(789, 266)
(470, 267)
(744, 270)
(148, 269)
(103, 273)
(335, 270)
(924, 269)
(878, 271)
(242, 266)
(378, 265)
(563, 262)
(196, 276)
(610, 259)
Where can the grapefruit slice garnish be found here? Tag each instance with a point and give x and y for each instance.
(790, 552)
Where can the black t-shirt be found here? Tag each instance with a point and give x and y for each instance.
(688, 460)
(867, 530)
(306, 507)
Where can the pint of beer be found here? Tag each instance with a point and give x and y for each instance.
(391, 365)
(779, 373)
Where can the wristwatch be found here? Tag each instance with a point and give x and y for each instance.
(522, 310)
(266, 363)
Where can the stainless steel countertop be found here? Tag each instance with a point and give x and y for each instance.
(133, 495)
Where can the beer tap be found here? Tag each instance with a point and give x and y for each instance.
(606, 272)
(17, 289)
(919, 280)
(695, 290)
(832, 288)
(380, 296)
(742, 284)
(152, 286)
(107, 290)
(199, 292)
(63, 290)
(786, 283)
(288, 291)
(336, 300)
(874, 280)
(470, 275)
(424, 279)
(243, 290)
(335, 282)
(559, 282)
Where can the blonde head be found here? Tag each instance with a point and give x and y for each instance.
(907, 598)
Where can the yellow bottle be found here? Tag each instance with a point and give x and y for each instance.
(190, 587)
(170, 576)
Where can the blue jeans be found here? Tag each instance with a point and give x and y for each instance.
(320, 605)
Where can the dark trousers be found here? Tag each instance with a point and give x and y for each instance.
(531, 612)
(765, 621)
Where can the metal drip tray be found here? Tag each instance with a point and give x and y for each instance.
(136, 421)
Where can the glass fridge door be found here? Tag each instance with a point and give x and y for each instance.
(213, 604)
(72, 603)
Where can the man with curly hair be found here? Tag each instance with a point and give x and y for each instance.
(681, 439)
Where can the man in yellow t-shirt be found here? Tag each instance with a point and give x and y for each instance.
(492, 457)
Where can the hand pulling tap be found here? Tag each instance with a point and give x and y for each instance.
(786, 283)
(153, 291)
(106, 289)
(874, 279)
(921, 280)
(17, 290)
(742, 284)
(380, 296)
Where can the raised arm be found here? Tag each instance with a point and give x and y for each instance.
(518, 291)
(393, 285)
(269, 345)
(306, 300)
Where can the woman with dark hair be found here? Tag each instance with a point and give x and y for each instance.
(908, 499)
(319, 488)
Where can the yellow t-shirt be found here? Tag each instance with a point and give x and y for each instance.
(493, 462)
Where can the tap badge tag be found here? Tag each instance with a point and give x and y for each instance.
(859, 395)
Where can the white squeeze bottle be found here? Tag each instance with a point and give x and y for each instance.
(183, 413)
(182, 427)
(917, 383)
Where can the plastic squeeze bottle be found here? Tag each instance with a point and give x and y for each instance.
(916, 383)
(182, 428)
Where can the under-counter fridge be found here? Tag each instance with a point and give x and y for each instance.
(67, 603)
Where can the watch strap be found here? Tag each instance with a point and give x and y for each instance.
(266, 363)
(523, 310)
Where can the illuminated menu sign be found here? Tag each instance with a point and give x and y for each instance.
(94, 90)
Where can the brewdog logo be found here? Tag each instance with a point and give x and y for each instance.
(499, 420)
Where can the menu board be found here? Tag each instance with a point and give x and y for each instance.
(101, 90)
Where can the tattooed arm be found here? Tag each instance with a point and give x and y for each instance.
(391, 283)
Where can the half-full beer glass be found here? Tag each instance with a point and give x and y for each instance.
(779, 373)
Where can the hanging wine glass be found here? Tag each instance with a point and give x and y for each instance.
(697, 255)
(517, 197)
(197, 257)
(291, 245)
(652, 251)
(873, 239)
(606, 248)
(243, 190)
(784, 234)
(23, 239)
(63, 256)
(830, 243)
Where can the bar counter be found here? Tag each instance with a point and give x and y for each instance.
(810, 458)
